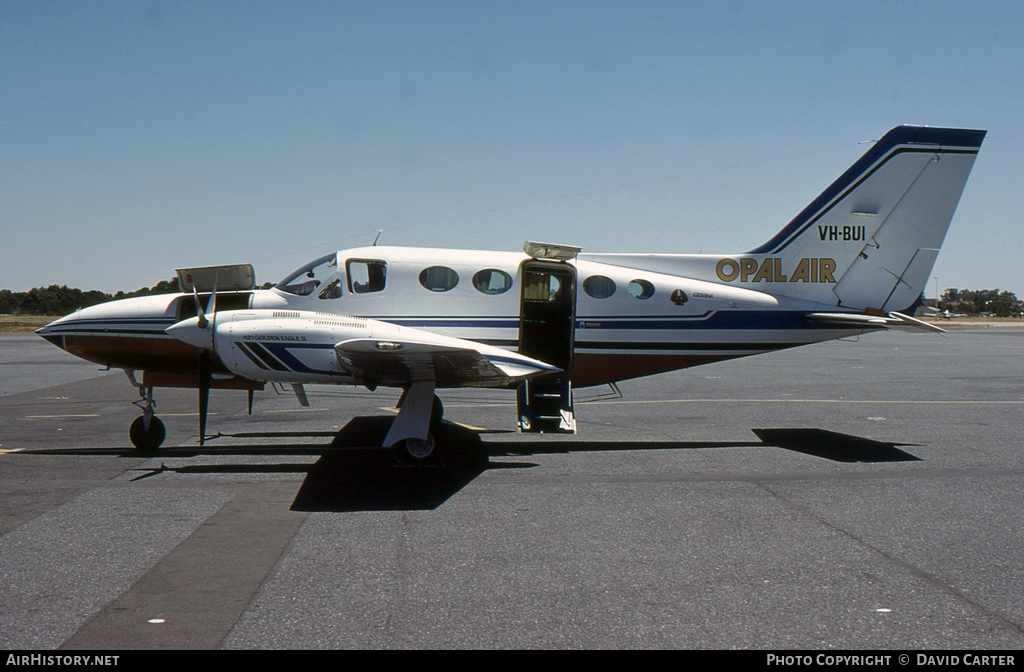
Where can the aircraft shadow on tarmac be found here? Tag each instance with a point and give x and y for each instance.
(372, 480)
(349, 476)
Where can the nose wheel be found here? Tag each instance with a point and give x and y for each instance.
(147, 438)
(147, 432)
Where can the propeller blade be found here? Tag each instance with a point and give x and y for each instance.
(204, 392)
(201, 316)
(211, 308)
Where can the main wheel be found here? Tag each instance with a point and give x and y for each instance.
(416, 451)
(144, 439)
(436, 413)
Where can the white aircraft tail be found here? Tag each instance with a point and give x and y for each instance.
(870, 240)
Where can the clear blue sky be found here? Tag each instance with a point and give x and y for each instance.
(137, 137)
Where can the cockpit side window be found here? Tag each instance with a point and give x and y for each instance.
(332, 290)
(366, 275)
(305, 281)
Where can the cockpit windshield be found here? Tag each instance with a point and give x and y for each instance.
(304, 281)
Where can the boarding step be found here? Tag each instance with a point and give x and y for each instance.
(545, 406)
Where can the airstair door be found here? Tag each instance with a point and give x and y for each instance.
(547, 321)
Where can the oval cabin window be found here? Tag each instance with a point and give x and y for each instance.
(492, 281)
(599, 287)
(439, 278)
(641, 289)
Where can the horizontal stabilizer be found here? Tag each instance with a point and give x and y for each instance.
(914, 323)
(893, 320)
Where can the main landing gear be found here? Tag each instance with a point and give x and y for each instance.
(412, 437)
(147, 432)
(415, 451)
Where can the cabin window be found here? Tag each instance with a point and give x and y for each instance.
(366, 275)
(640, 289)
(492, 281)
(439, 278)
(599, 286)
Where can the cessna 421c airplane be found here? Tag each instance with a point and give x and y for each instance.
(548, 320)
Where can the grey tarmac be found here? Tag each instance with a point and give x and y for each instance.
(890, 518)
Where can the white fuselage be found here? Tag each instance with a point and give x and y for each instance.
(628, 322)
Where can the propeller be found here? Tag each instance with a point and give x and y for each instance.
(205, 368)
(211, 307)
(204, 392)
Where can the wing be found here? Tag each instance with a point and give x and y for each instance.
(448, 362)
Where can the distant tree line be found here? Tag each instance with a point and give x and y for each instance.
(61, 299)
(981, 301)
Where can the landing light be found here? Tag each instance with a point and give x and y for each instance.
(388, 345)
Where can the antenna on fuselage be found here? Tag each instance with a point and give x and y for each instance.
(379, 231)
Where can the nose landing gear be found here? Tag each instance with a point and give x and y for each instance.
(147, 432)
(146, 437)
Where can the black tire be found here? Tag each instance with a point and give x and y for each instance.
(436, 413)
(147, 440)
(416, 452)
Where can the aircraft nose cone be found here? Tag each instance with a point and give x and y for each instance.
(47, 332)
(189, 331)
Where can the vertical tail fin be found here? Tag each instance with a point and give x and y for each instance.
(870, 240)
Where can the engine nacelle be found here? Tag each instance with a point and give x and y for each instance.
(290, 346)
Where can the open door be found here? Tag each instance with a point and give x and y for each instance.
(547, 323)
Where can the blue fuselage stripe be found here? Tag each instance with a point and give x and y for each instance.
(724, 321)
